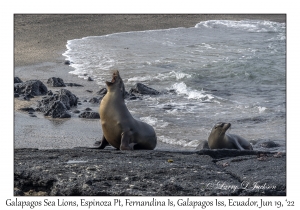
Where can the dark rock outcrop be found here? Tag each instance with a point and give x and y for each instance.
(82, 172)
(89, 115)
(142, 89)
(56, 82)
(67, 62)
(73, 84)
(269, 144)
(18, 192)
(56, 109)
(95, 100)
(27, 109)
(30, 88)
(168, 107)
(71, 97)
(50, 93)
(102, 92)
(57, 105)
(131, 96)
(17, 80)
(266, 145)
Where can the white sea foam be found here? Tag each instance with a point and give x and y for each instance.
(177, 75)
(193, 143)
(150, 120)
(261, 109)
(140, 79)
(76, 161)
(182, 89)
(180, 75)
(249, 25)
(173, 112)
(207, 46)
(180, 142)
(154, 122)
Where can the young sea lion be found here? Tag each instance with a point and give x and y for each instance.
(120, 129)
(219, 139)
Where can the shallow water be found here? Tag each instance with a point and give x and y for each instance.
(230, 71)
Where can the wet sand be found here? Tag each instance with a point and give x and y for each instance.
(40, 41)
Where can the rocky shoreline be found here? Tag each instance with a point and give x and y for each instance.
(110, 172)
(60, 103)
(90, 172)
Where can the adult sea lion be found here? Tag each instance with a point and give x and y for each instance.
(119, 128)
(219, 139)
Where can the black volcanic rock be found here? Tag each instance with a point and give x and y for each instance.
(72, 98)
(89, 115)
(58, 104)
(102, 91)
(73, 84)
(56, 82)
(17, 80)
(57, 109)
(94, 100)
(269, 144)
(143, 90)
(27, 109)
(67, 62)
(109, 172)
(30, 88)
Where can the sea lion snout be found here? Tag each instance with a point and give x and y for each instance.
(116, 73)
(226, 126)
(115, 77)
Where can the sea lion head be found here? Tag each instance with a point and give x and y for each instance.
(220, 128)
(217, 134)
(116, 84)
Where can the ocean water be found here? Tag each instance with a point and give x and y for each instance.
(217, 71)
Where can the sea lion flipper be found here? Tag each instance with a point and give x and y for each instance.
(237, 144)
(97, 143)
(125, 139)
(102, 144)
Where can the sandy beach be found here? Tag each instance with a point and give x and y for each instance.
(42, 38)
(39, 42)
